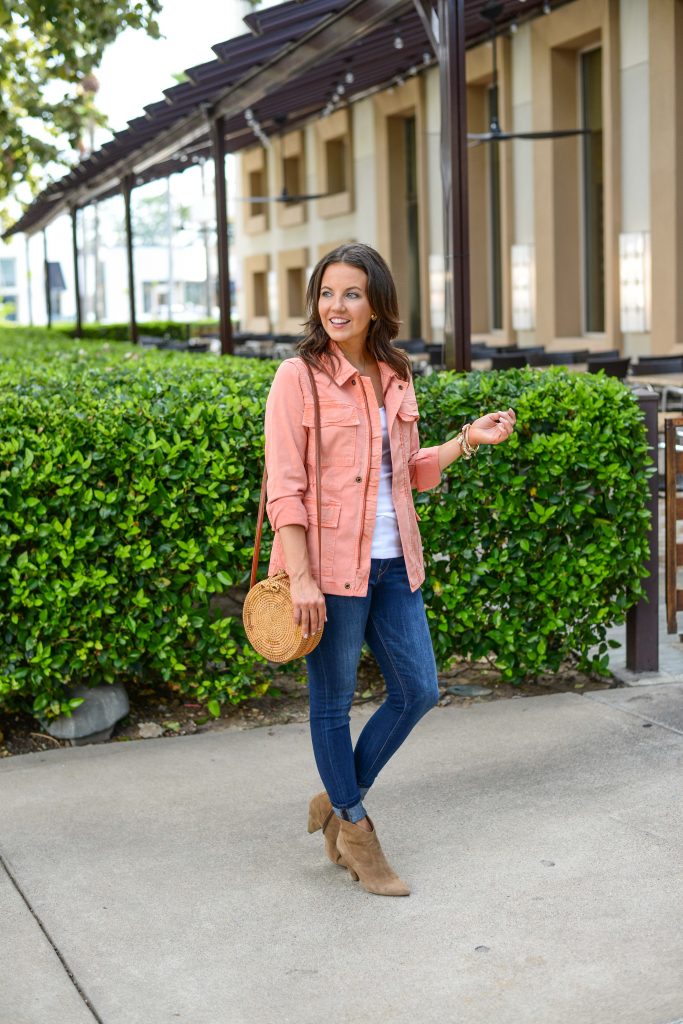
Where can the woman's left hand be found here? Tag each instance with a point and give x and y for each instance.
(494, 428)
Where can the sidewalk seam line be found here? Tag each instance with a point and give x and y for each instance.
(47, 935)
(644, 718)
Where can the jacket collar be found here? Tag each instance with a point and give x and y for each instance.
(346, 370)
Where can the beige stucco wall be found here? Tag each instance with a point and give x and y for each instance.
(541, 182)
(315, 234)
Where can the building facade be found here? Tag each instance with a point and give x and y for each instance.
(575, 242)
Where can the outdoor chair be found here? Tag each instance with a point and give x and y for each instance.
(550, 358)
(658, 364)
(173, 344)
(412, 345)
(511, 361)
(435, 350)
(609, 353)
(612, 367)
(672, 394)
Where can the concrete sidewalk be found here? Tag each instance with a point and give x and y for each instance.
(173, 880)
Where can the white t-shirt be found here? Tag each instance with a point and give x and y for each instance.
(386, 540)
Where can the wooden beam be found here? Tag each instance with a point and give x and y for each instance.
(642, 620)
(451, 52)
(77, 282)
(218, 143)
(127, 188)
(48, 290)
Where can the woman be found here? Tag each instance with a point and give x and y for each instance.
(371, 561)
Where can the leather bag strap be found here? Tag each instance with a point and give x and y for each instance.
(262, 503)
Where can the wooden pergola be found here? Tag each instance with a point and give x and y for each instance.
(285, 71)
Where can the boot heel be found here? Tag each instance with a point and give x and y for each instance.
(353, 874)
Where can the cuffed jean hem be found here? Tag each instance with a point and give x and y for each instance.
(354, 813)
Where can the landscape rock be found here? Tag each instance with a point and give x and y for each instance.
(94, 720)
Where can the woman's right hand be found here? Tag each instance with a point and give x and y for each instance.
(309, 604)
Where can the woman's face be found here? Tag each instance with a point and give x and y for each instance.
(343, 304)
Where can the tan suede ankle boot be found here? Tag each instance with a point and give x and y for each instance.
(365, 860)
(321, 815)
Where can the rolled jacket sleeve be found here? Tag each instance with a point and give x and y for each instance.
(286, 440)
(423, 463)
(423, 466)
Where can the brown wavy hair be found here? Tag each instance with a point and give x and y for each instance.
(313, 348)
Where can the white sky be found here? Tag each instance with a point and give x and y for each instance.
(135, 68)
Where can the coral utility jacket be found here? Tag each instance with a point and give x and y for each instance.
(351, 456)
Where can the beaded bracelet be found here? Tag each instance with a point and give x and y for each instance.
(463, 439)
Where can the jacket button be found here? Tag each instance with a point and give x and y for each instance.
(347, 586)
(400, 387)
(353, 381)
(358, 479)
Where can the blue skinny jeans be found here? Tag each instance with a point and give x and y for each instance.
(392, 621)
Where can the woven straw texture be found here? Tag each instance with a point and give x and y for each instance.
(267, 615)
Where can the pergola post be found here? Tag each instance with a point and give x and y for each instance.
(48, 292)
(642, 620)
(451, 53)
(77, 284)
(127, 188)
(218, 147)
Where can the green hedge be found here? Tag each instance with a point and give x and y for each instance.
(177, 330)
(130, 481)
(545, 538)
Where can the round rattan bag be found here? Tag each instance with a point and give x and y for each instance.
(269, 621)
(268, 611)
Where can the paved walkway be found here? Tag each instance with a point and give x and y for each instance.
(173, 880)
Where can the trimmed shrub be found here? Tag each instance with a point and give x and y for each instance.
(173, 329)
(130, 483)
(542, 541)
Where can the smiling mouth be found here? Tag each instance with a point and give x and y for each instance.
(338, 322)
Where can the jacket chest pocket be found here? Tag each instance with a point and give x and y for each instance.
(339, 425)
(406, 416)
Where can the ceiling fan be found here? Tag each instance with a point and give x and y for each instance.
(492, 11)
(284, 196)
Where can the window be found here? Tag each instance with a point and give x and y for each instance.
(295, 292)
(257, 187)
(290, 165)
(291, 172)
(335, 159)
(495, 233)
(195, 293)
(593, 201)
(255, 184)
(335, 164)
(8, 273)
(260, 286)
(291, 289)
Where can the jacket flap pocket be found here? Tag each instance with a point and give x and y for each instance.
(408, 411)
(331, 414)
(330, 512)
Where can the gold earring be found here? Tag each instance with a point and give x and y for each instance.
(374, 316)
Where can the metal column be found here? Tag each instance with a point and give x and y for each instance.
(218, 146)
(127, 188)
(77, 285)
(48, 291)
(451, 53)
(642, 621)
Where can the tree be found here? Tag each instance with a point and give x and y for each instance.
(46, 44)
